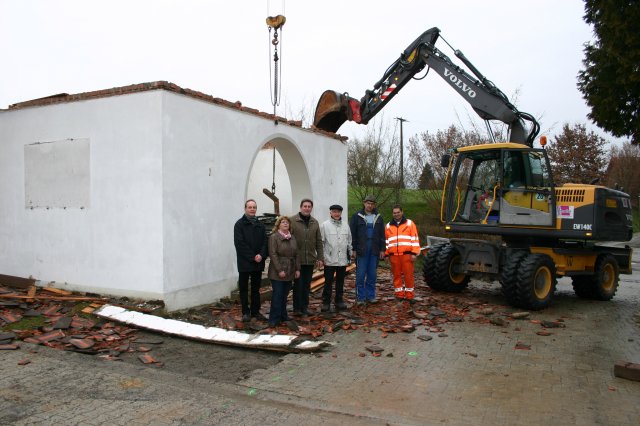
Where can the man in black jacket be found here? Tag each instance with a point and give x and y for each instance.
(250, 240)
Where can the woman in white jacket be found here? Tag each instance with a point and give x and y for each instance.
(336, 238)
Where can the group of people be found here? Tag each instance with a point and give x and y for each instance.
(299, 244)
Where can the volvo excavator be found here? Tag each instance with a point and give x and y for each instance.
(504, 189)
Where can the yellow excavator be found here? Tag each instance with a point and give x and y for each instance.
(505, 189)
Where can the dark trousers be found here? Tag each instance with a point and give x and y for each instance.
(329, 272)
(280, 292)
(243, 283)
(301, 288)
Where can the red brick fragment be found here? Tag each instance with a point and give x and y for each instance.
(62, 323)
(147, 359)
(52, 335)
(82, 343)
(32, 340)
(8, 347)
(627, 370)
(79, 322)
(50, 310)
(24, 362)
(522, 346)
(10, 317)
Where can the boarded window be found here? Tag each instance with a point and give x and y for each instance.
(57, 174)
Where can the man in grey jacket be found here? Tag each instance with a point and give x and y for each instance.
(306, 229)
(336, 239)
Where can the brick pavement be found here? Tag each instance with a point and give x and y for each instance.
(475, 375)
(65, 388)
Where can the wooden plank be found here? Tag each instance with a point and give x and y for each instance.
(41, 297)
(318, 282)
(17, 282)
(58, 291)
(31, 293)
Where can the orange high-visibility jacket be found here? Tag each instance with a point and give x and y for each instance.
(402, 238)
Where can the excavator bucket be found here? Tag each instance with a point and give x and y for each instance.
(334, 109)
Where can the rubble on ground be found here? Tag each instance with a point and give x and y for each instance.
(64, 320)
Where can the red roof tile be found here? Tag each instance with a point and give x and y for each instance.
(162, 85)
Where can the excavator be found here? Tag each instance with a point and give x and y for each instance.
(534, 230)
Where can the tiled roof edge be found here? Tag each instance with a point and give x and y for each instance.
(171, 87)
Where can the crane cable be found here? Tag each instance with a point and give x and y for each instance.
(275, 23)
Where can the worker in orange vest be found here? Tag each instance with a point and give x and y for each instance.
(403, 246)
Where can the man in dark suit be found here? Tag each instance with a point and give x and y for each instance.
(250, 240)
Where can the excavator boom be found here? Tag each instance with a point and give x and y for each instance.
(334, 108)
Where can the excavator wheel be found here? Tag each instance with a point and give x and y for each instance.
(603, 284)
(582, 286)
(536, 281)
(429, 267)
(446, 278)
(509, 277)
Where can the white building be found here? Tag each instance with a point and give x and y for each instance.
(134, 191)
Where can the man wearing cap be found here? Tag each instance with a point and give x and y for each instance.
(403, 246)
(336, 240)
(367, 232)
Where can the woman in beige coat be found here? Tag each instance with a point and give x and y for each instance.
(284, 266)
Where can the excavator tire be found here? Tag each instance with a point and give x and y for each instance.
(445, 277)
(603, 284)
(536, 281)
(582, 286)
(509, 277)
(429, 267)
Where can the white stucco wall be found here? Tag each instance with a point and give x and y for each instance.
(210, 156)
(168, 178)
(115, 244)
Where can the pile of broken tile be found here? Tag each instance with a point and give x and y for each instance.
(390, 315)
(62, 329)
(430, 313)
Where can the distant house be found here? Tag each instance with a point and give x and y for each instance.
(134, 191)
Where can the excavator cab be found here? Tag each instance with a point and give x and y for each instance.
(496, 185)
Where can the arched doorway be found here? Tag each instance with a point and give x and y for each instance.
(291, 176)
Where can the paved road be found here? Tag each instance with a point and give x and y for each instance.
(473, 375)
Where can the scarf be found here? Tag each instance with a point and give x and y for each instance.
(286, 236)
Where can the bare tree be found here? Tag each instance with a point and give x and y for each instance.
(428, 148)
(372, 162)
(304, 113)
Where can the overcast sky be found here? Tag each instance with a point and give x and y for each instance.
(221, 48)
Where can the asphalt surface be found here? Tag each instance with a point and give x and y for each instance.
(471, 373)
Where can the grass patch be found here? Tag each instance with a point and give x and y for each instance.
(34, 323)
(26, 323)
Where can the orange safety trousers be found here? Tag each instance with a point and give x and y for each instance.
(401, 265)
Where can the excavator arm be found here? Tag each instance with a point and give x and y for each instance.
(489, 102)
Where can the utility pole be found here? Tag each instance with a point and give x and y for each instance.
(401, 120)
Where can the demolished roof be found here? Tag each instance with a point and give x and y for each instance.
(171, 87)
